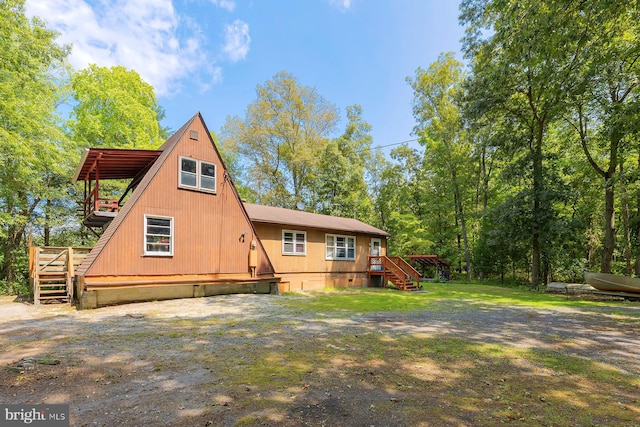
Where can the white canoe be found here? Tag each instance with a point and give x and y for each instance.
(612, 282)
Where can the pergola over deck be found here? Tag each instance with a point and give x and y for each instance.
(109, 163)
(426, 261)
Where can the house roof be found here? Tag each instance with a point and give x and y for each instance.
(113, 163)
(293, 218)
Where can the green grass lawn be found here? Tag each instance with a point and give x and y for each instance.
(369, 300)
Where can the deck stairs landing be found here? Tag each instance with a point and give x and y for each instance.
(51, 271)
(395, 270)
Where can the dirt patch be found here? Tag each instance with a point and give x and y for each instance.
(257, 360)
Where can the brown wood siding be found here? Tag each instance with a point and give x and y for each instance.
(208, 227)
(315, 259)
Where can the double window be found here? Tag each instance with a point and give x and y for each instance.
(158, 235)
(197, 175)
(294, 242)
(340, 247)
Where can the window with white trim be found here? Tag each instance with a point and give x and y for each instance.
(294, 242)
(207, 176)
(158, 235)
(340, 247)
(197, 175)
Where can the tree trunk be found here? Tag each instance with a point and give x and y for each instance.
(463, 226)
(609, 227)
(47, 222)
(626, 225)
(537, 204)
(637, 266)
(609, 192)
(637, 246)
(12, 243)
(460, 215)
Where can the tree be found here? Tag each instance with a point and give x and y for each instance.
(339, 187)
(114, 108)
(402, 206)
(235, 169)
(439, 125)
(31, 143)
(284, 133)
(524, 55)
(604, 114)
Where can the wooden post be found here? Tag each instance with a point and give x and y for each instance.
(36, 279)
(70, 274)
(96, 189)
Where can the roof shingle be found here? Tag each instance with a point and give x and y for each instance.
(290, 217)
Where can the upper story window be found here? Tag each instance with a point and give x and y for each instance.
(294, 242)
(158, 235)
(188, 172)
(197, 175)
(340, 247)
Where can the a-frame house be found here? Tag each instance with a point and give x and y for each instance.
(183, 232)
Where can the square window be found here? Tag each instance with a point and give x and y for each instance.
(340, 247)
(188, 172)
(294, 242)
(197, 175)
(158, 235)
(207, 176)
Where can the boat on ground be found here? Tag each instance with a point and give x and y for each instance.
(612, 282)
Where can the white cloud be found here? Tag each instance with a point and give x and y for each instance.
(148, 36)
(236, 40)
(343, 5)
(225, 4)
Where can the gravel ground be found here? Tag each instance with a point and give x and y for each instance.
(156, 363)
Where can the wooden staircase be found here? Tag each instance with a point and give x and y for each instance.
(51, 271)
(395, 270)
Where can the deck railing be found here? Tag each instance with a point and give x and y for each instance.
(95, 203)
(51, 271)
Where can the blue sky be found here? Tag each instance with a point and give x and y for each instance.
(209, 55)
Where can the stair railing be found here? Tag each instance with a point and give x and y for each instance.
(407, 268)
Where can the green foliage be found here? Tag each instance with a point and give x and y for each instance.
(448, 149)
(281, 139)
(338, 186)
(114, 108)
(31, 141)
(541, 70)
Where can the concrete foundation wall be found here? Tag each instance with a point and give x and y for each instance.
(102, 297)
(293, 282)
